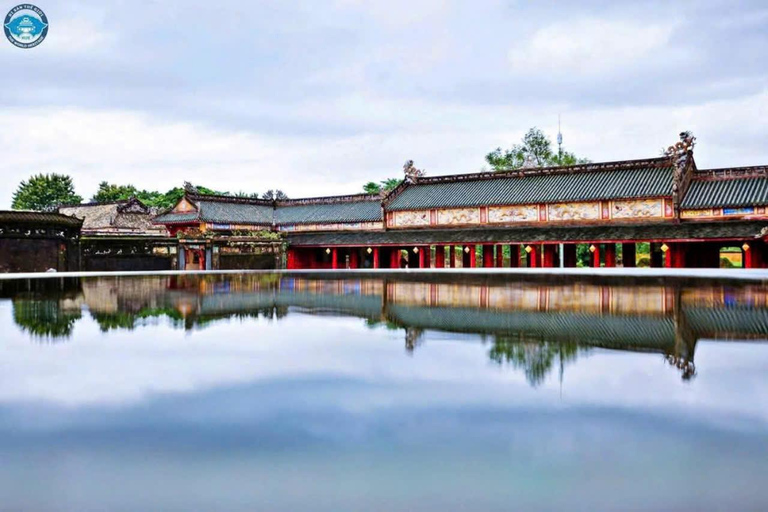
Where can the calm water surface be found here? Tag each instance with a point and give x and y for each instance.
(268, 392)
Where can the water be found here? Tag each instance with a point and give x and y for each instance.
(262, 392)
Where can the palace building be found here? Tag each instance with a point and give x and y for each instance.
(535, 217)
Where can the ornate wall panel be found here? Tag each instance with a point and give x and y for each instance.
(504, 214)
(752, 212)
(411, 218)
(458, 216)
(738, 211)
(696, 214)
(573, 211)
(642, 208)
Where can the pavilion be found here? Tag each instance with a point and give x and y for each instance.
(531, 217)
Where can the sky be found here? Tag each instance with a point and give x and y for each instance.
(317, 98)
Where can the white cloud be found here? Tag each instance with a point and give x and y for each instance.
(76, 35)
(594, 46)
(151, 152)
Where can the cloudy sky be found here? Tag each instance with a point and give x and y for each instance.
(319, 97)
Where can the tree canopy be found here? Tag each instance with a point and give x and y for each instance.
(536, 146)
(385, 185)
(45, 192)
(109, 192)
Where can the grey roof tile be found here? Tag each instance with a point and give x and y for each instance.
(727, 193)
(349, 211)
(235, 213)
(173, 218)
(562, 186)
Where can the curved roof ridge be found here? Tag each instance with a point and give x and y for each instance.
(349, 198)
(537, 171)
(729, 173)
(220, 198)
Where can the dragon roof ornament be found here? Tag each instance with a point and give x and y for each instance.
(681, 154)
(412, 174)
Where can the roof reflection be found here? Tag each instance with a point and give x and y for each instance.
(532, 326)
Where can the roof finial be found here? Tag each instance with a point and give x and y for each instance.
(530, 162)
(412, 174)
(680, 150)
(559, 138)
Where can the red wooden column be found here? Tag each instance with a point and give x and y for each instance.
(354, 258)
(290, 261)
(427, 256)
(610, 255)
(534, 257)
(422, 257)
(440, 256)
(473, 256)
(550, 255)
(675, 257)
(754, 254)
(514, 255)
(394, 258)
(487, 256)
(596, 255)
(452, 256)
(499, 256)
(629, 254)
(375, 257)
(668, 263)
(334, 258)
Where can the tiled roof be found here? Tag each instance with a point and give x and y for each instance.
(635, 178)
(234, 212)
(358, 208)
(646, 331)
(113, 217)
(726, 193)
(639, 232)
(31, 217)
(176, 218)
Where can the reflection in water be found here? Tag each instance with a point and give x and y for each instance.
(273, 392)
(532, 327)
(536, 359)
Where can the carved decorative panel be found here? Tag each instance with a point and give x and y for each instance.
(573, 211)
(458, 216)
(631, 209)
(504, 214)
(411, 218)
(696, 214)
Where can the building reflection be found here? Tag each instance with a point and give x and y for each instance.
(534, 327)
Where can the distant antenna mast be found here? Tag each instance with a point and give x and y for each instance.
(559, 138)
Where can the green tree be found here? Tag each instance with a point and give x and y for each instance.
(386, 185)
(108, 193)
(536, 146)
(170, 198)
(45, 192)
